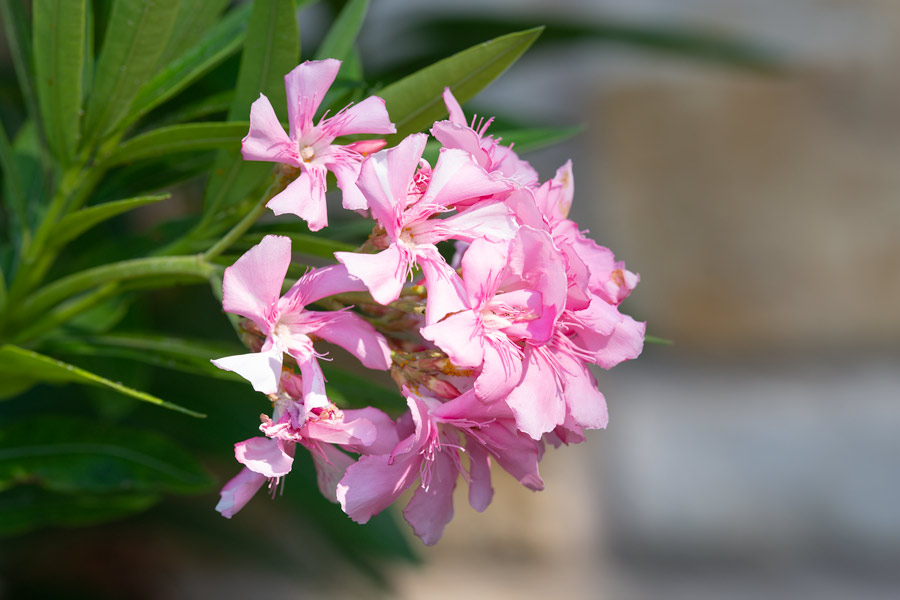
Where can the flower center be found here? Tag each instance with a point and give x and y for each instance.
(307, 153)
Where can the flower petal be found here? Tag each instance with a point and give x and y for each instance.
(304, 197)
(252, 285)
(368, 116)
(480, 490)
(267, 140)
(356, 336)
(265, 456)
(306, 86)
(383, 273)
(238, 492)
(431, 508)
(261, 369)
(385, 176)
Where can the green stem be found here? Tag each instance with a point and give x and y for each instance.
(243, 225)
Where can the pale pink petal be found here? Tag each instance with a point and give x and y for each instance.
(506, 162)
(501, 371)
(431, 508)
(492, 221)
(313, 382)
(366, 147)
(386, 437)
(238, 492)
(460, 335)
(345, 432)
(445, 289)
(252, 285)
(586, 404)
(261, 369)
(515, 452)
(346, 174)
(385, 177)
(306, 86)
(368, 116)
(383, 273)
(265, 456)
(457, 178)
(456, 113)
(375, 482)
(331, 465)
(304, 197)
(321, 283)
(480, 490)
(483, 269)
(267, 140)
(625, 343)
(356, 336)
(454, 135)
(537, 401)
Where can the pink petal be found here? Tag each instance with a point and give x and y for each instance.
(238, 492)
(252, 285)
(385, 176)
(445, 289)
(460, 335)
(537, 401)
(501, 371)
(321, 283)
(483, 270)
(385, 430)
(267, 140)
(261, 369)
(456, 113)
(480, 490)
(625, 343)
(356, 336)
(383, 273)
(375, 482)
(304, 197)
(264, 456)
(313, 382)
(306, 86)
(492, 221)
(457, 177)
(331, 466)
(586, 404)
(431, 508)
(455, 135)
(368, 116)
(346, 174)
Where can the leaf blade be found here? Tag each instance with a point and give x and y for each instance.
(74, 224)
(191, 137)
(339, 40)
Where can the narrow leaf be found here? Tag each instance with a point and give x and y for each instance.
(194, 18)
(192, 137)
(18, 38)
(135, 37)
(222, 41)
(68, 454)
(78, 222)
(59, 40)
(59, 290)
(339, 40)
(652, 339)
(271, 49)
(303, 243)
(21, 363)
(11, 177)
(415, 101)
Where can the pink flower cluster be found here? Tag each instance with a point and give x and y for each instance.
(490, 349)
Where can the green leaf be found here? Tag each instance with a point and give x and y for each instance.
(194, 18)
(11, 177)
(415, 101)
(271, 50)
(339, 40)
(59, 42)
(59, 290)
(192, 137)
(22, 363)
(652, 339)
(190, 356)
(68, 454)
(18, 38)
(29, 507)
(204, 107)
(222, 41)
(135, 37)
(74, 224)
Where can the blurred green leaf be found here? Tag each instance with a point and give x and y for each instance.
(198, 109)
(339, 40)
(59, 42)
(51, 294)
(271, 49)
(18, 38)
(415, 101)
(652, 339)
(21, 363)
(69, 454)
(15, 201)
(191, 137)
(24, 508)
(74, 224)
(304, 243)
(136, 35)
(190, 356)
(193, 20)
(222, 41)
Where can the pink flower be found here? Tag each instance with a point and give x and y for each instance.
(252, 289)
(310, 147)
(405, 203)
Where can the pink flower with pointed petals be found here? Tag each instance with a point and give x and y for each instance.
(309, 146)
(405, 206)
(252, 289)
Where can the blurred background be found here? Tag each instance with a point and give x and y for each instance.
(744, 158)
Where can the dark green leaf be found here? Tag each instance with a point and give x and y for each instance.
(415, 101)
(21, 363)
(302, 243)
(338, 43)
(59, 42)
(192, 137)
(135, 37)
(15, 201)
(24, 508)
(221, 42)
(194, 18)
(271, 50)
(68, 454)
(18, 38)
(74, 224)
